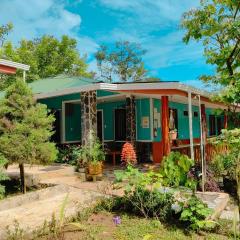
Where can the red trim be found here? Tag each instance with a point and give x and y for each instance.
(165, 126)
(7, 69)
(157, 150)
(204, 122)
(225, 121)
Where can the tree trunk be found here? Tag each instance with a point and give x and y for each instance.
(22, 178)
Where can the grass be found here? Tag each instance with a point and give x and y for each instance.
(100, 226)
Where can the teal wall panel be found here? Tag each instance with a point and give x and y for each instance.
(56, 102)
(183, 121)
(72, 123)
(102, 93)
(143, 110)
(108, 117)
(157, 120)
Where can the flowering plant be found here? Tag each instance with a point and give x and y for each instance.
(128, 155)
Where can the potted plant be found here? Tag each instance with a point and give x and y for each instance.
(173, 134)
(95, 154)
(81, 154)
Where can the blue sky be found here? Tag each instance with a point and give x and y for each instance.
(153, 23)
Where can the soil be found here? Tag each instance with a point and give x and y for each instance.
(103, 226)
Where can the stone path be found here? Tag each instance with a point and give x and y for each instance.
(31, 214)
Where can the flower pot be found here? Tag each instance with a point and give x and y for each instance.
(95, 168)
(81, 169)
(173, 135)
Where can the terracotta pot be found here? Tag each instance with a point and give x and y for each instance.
(173, 135)
(95, 169)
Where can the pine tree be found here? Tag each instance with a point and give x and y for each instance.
(3, 176)
(25, 129)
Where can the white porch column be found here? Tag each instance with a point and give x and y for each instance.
(190, 124)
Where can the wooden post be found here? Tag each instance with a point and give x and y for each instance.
(225, 120)
(165, 126)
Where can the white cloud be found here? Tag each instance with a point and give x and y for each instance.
(158, 12)
(87, 45)
(33, 18)
(155, 24)
(169, 50)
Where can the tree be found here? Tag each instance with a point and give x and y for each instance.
(217, 24)
(47, 56)
(124, 61)
(25, 129)
(3, 176)
(4, 31)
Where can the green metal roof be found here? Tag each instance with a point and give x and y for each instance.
(58, 83)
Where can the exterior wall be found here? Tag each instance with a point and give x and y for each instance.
(143, 109)
(73, 123)
(183, 121)
(157, 135)
(102, 93)
(147, 107)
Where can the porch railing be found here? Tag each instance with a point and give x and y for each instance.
(211, 150)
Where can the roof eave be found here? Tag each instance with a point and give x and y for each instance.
(14, 64)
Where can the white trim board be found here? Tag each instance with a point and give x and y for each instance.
(14, 64)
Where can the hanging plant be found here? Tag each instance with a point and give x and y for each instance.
(128, 155)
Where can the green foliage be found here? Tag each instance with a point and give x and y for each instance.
(142, 196)
(216, 23)
(71, 154)
(228, 164)
(133, 178)
(124, 60)
(25, 128)
(3, 176)
(93, 150)
(195, 214)
(4, 31)
(175, 168)
(47, 56)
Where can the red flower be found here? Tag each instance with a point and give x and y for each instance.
(128, 155)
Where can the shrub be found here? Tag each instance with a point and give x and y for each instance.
(150, 203)
(195, 213)
(175, 169)
(128, 155)
(142, 195)
(68, 154)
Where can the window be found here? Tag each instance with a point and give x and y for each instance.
(120, 124)
(185, 113)
(195, 114)
(212, 125)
